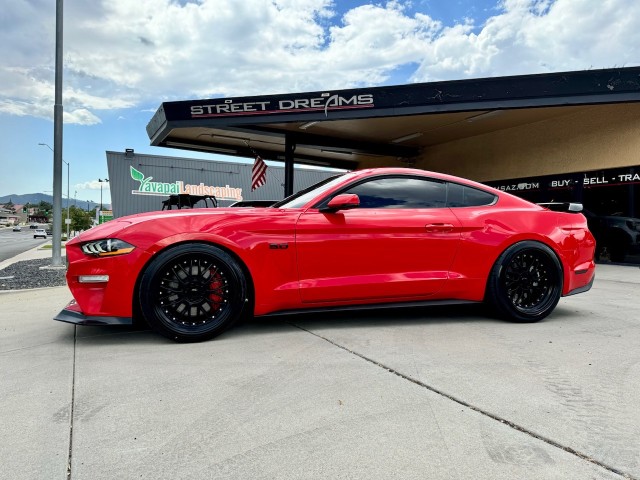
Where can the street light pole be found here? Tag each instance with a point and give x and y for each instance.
(68, 199)
(101, 182)
(56, 251)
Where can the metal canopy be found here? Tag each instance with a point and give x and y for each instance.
(350, 129)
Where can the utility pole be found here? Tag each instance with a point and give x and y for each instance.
(56, 252)
(101, 182)
(68, 199)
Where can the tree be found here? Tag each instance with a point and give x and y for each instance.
(45, 209)
(80, 220)
(44, 206)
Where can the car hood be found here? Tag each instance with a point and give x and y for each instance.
(211, 216)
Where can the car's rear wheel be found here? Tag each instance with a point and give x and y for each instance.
(525, 283)
(192, 292)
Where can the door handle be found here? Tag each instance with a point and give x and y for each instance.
(438, 227)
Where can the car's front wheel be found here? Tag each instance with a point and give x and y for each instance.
(525, 283)
(192, 292)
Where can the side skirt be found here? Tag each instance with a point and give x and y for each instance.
(374, 306)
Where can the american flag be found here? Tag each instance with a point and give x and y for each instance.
(258, 173)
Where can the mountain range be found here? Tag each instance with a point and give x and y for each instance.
(38, 197)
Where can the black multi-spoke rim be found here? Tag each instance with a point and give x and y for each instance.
(530, 281)
(192, 291)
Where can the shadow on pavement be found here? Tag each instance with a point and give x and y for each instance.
(409, 316)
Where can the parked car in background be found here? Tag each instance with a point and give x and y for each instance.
(253, 203)
(39, 232)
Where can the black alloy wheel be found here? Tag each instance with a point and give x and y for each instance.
(525, 284)
(192, 292)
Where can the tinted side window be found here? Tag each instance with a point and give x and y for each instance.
(400, 192)
(463, 196)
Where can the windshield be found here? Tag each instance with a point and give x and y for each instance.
(299, 199)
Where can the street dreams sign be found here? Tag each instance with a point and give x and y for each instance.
(325, 102)
(164, 189)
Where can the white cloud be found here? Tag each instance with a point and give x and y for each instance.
(28, 92)
(538, 36)
(81, 116)
(374, 40)
(93, 185)
(121, 54)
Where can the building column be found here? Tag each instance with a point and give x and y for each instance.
(289, 148)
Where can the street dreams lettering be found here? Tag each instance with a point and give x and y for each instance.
(333, 102)
(163, 189)
(229, 108)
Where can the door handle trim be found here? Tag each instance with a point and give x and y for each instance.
(439, 227)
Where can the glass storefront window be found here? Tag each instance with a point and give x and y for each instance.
(611, 200)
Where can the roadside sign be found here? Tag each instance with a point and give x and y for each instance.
(105, 215)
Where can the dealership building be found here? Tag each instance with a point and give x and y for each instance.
(570, 136)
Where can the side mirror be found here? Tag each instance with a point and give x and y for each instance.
(345, 201)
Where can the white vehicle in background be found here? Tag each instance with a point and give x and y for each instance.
(40, 232)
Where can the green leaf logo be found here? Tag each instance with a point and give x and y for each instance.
(136, 175)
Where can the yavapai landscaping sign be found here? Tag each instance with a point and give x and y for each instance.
(164, 189)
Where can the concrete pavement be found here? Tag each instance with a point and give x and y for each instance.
(432, 393)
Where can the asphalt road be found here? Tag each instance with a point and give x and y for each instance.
(12, 243)
(439, 393)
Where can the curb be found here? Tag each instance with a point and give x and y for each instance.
(22, 290)
(33, 254)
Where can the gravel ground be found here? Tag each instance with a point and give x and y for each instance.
(27, 274)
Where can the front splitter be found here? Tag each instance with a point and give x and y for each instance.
(77, 318)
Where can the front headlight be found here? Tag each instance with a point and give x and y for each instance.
(107, 247)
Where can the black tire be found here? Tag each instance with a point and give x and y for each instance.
(525, 283)
(192, 292)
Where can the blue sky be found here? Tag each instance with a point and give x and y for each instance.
(123, 58)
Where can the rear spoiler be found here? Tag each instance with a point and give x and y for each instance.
(563, 206)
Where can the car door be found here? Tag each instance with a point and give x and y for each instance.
(397, 244)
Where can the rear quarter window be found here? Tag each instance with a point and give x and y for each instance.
(463, 196)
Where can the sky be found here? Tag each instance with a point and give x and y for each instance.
(123, 58)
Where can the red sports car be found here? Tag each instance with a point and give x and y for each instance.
(388, 236)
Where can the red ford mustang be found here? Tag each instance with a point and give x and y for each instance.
(369, 237)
